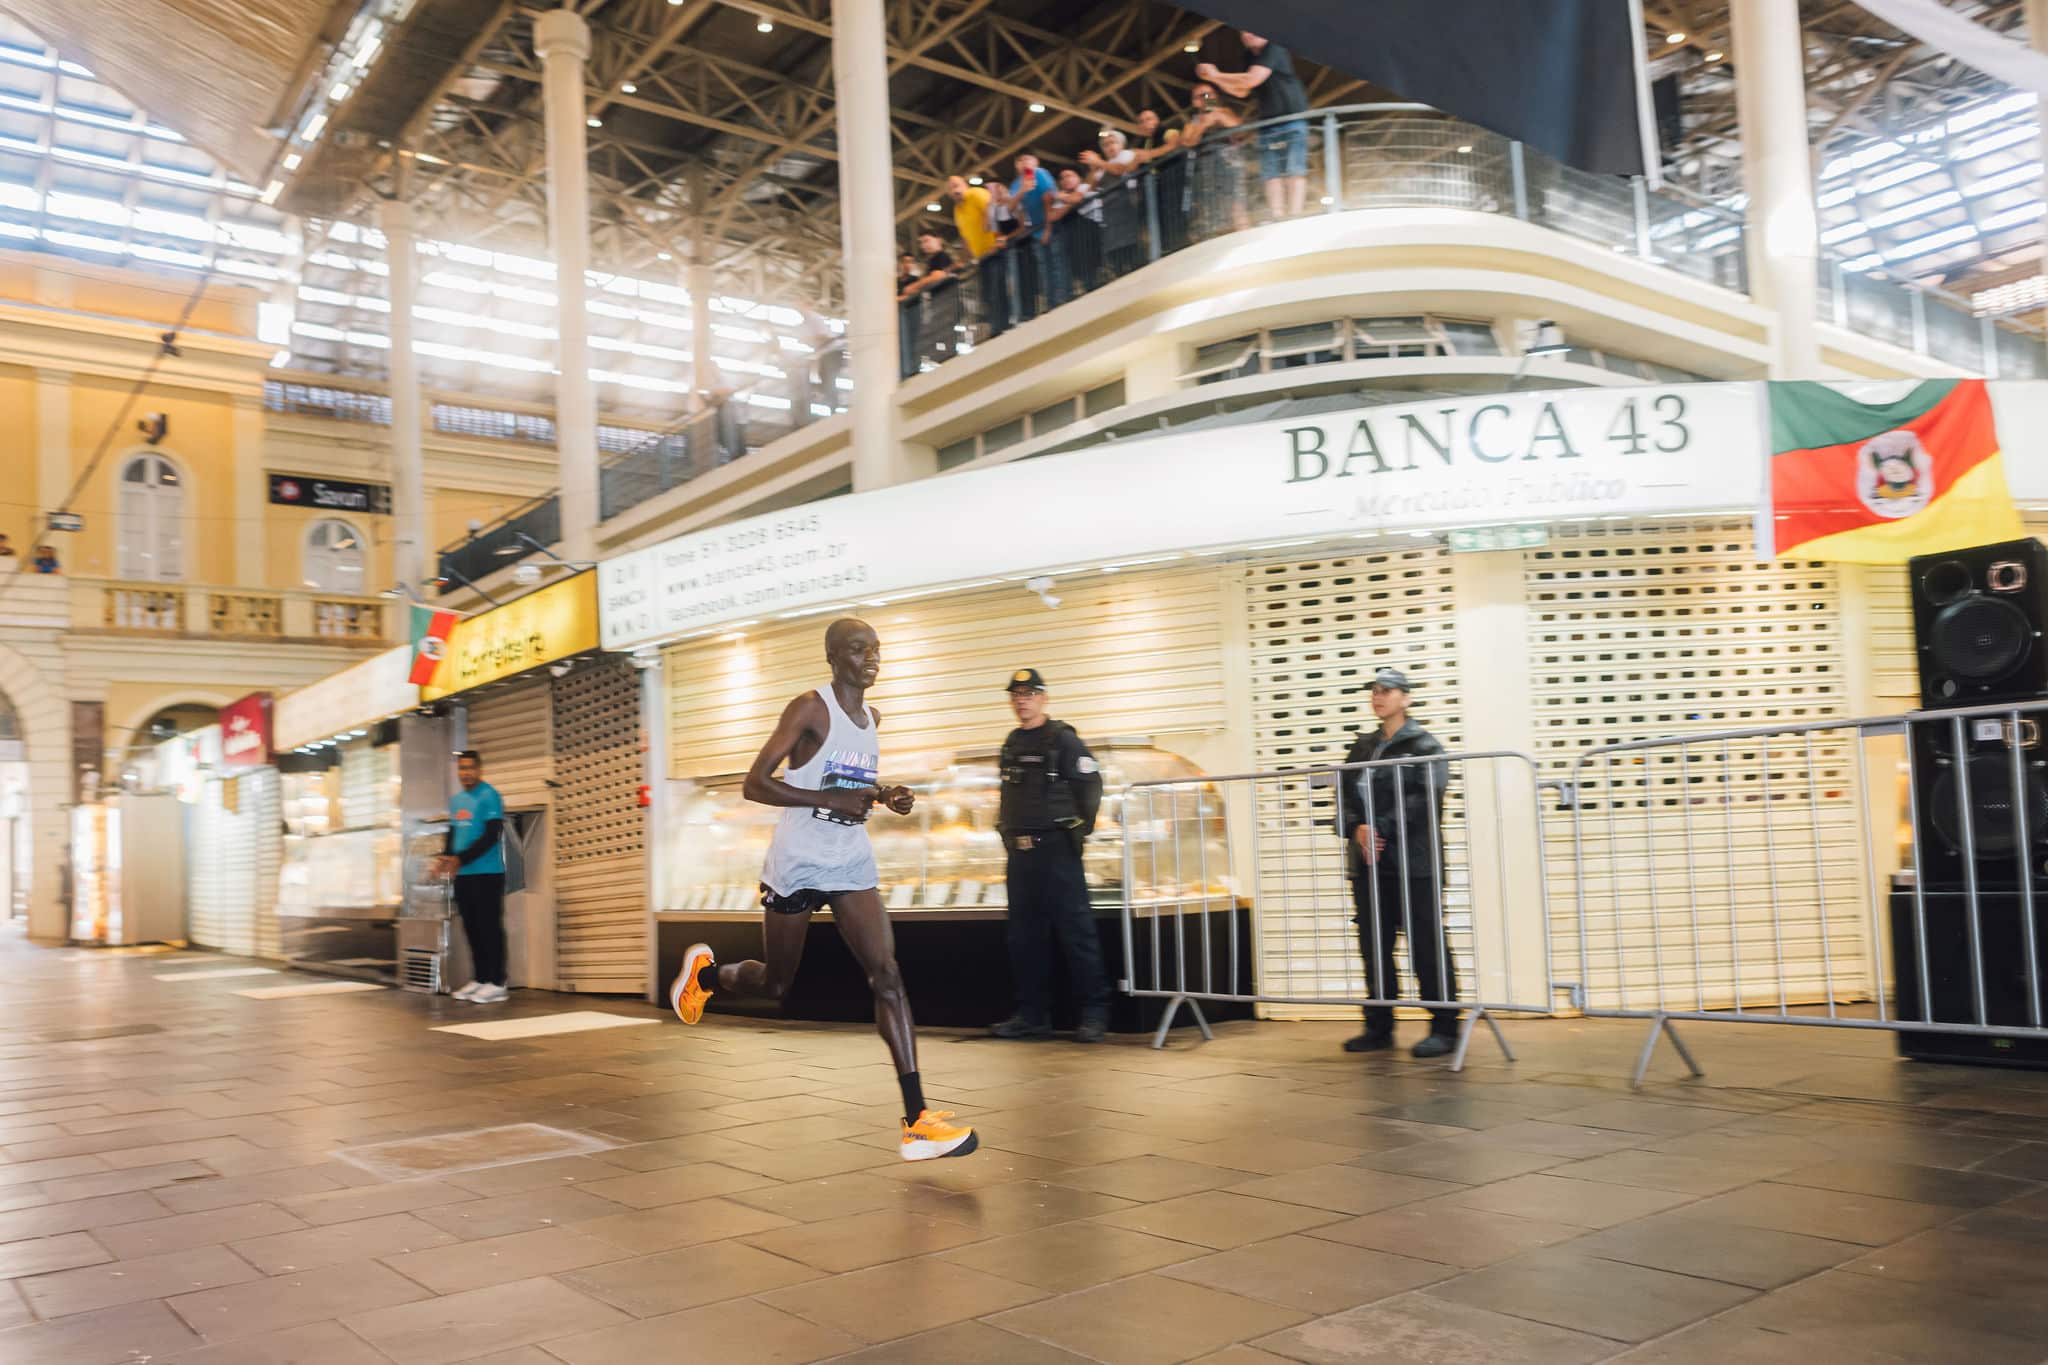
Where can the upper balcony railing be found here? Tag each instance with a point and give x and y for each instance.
(228, 613)
(706, 440)
(1380, 156)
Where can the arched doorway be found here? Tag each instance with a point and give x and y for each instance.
(16, 848)
(137, 766)
(152, 520)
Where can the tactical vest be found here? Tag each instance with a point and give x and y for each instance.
(1036, 795)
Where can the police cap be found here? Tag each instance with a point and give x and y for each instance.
(1025, 680)
(1388, 677)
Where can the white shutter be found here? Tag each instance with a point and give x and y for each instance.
(1134, 653)
(236, 853)
(509, 728)
(263, 808)
(1675, 628)
(1318, 629)
(600, 830)
(206, 874)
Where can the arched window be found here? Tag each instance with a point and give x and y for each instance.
(152, 509)
(334, 557)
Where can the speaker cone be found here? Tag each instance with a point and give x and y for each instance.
(1992, 828)
(1980, 639)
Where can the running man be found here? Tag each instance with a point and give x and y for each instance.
(820, 856)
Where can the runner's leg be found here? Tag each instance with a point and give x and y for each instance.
(783, 939)
(864, 925)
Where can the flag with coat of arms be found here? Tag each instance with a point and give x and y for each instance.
(1881, 482)
(430, 629)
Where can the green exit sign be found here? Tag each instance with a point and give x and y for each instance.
(1498, 538)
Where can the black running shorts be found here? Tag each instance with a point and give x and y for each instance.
(797, 902)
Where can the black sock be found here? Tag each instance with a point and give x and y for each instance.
(913, 1096)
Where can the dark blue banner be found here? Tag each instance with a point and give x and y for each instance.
(1561, 75)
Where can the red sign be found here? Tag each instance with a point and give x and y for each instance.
(245, 732)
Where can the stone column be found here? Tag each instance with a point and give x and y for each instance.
(562, 40)
(1783, 238)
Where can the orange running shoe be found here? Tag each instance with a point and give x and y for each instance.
(687, 996)
(931, 1137)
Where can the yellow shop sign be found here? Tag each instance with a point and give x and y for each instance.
(553, 623)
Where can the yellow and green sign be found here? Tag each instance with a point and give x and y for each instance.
(554, 623)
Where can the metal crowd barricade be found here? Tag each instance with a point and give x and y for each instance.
(1239, 889)
(1873, 874)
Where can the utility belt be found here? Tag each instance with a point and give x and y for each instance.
(1058, 840)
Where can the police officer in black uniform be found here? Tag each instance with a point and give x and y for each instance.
(1393, 820)
(1052, 789)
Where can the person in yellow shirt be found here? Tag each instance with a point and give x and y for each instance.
(970, 215)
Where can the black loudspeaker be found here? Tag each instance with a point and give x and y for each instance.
(1951, 993)
(1978, 615)
(1963, 808)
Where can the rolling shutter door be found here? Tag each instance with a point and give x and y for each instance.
(1674, 628)
(600, 830)
(235, 850)
(206, 914)
(1894, 662)
(509, 727)
(263, 807)
(1125, 654)
(1317, 630)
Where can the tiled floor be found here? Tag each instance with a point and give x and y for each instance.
(170, 1191)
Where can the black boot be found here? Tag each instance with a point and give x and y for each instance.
(1369, 1042)
(1435, 1045)
(1094, 1026)
(1017, 1026)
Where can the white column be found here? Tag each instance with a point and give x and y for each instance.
(867, 228)
(1783, 243)
(563, 41)
(408, 474)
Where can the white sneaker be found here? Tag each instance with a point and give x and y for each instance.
(490, 995)
(467, 992)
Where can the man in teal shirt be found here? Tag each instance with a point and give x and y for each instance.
(475, 858)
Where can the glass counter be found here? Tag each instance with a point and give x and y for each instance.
(945, 856)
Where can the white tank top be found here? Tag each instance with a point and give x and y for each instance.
(814, 849)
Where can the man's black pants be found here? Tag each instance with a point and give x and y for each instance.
(1048, 897)
(480, 897)
(1422, 912)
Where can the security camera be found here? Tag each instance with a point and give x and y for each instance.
(526, 574)
(561, 669)
(646, 663)
(475, 526)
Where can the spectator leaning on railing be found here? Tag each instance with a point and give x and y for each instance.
(1003, 274)
(1030, 189)
(971, 216)
(1283, 147)
(1076, 211)
(1210, 202)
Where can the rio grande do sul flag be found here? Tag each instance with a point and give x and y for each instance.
(1877, 483)
(429, 642)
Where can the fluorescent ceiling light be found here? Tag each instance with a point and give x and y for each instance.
(1847, 232)
(1899, 175)
(1915, 208)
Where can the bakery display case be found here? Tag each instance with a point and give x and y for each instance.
(945, 857)
(941, 871)
(343, 876)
